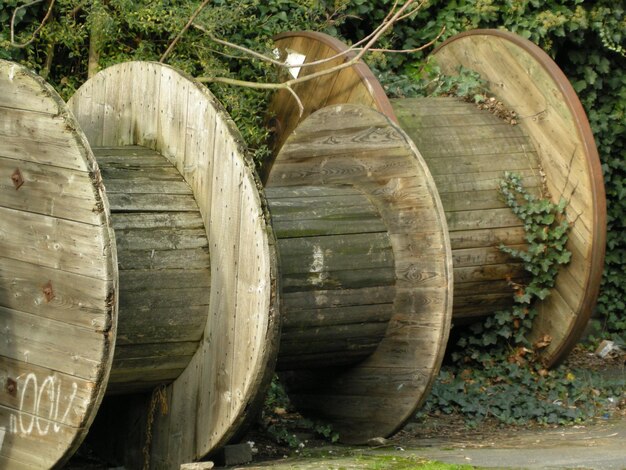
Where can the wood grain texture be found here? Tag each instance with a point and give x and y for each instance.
(555, 133)
(460, 156)
(356, 84)
(529, 82)
(58, 276)
(358, 148)
(154, 223)
(157, 107)
(339, 243)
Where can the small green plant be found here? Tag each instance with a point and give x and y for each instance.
(504, 335)
(282, 424)
(427, 79)
(497, 373)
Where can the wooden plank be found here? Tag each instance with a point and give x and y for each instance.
(339, 279)
(46, 436)
(134, 202)
(75, 300)
(224, 227)
(49, 190)
(180, 258)
(482, 219)
(25, 91)
(161, 239)
(151, 220)
(490, 272)
(336, 316)
(173, 96)
(487, 237)
(164, 323)
(55, 243)
(44, 350)
(40, 138)
(335, 252)
(61, 398)
(484, 256)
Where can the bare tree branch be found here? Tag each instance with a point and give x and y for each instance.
(195, 14)
(36, 32)
(352, 48)
(352, 54)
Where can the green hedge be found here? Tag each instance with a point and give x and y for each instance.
(588, 40)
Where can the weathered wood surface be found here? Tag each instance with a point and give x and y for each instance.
(358, 147)
(154, 106)
(163, 307)
(555, 131)
(58, 277)
(330, 240)
(354, 84)
(470, 150)
(527, 80)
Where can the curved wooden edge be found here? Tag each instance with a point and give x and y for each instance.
(367, 76)
(358, 146)
(157, 106)
(560, 348)
(48, 120)
(592, 160)
(284, 116)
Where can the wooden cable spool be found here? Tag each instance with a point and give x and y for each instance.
(196, 269)
(366, 271)
(467, 150)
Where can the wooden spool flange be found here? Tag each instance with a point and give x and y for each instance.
(467, 151)
(366, 271)
(197, 264)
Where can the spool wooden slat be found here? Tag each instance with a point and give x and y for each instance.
(58, 276)
(454, 138)
(388, 333)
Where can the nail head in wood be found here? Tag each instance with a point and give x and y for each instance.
(17, 178)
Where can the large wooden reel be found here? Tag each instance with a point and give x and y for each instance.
(366, 271)
(467, 151)
(58, 276)
(213, 388)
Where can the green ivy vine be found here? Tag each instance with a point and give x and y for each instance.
(504, 336)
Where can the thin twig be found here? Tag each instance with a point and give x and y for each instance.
(416, 49)
(36, 32)
(182, 31)
(353, 48)
(389, 21)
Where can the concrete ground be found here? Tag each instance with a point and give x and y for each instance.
(600, 446)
